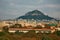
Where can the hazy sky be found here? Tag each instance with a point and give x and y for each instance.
(15, 8)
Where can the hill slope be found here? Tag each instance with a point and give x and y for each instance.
(37, 15)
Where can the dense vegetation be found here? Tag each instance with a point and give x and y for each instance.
(31, 35)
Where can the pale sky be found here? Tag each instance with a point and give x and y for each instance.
(10, 9)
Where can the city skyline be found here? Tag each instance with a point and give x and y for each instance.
(10, 9)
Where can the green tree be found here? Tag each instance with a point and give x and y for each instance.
(38, 26)
(2, 34)
(5, 28)
(19, 33)
(58, 33)
(16, 26)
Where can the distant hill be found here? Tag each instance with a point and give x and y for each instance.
(36, 15)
